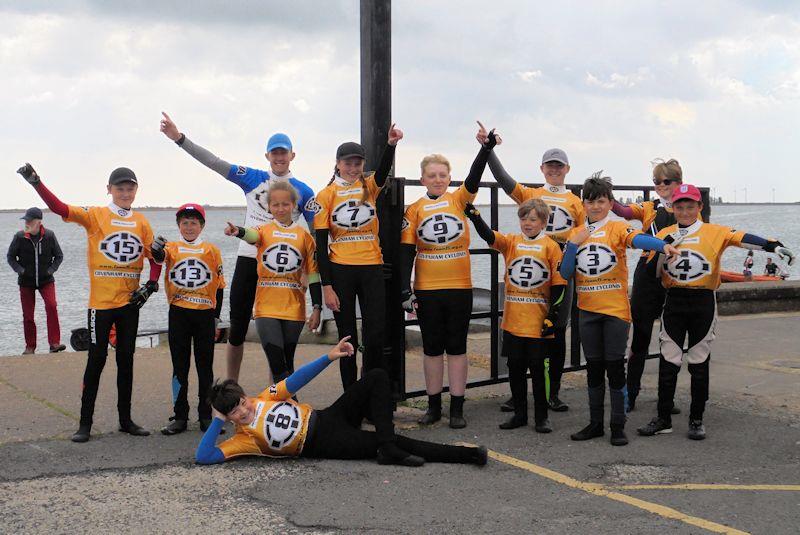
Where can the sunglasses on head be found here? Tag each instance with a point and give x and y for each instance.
(666, 181)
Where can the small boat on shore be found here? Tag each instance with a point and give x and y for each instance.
(733, 276)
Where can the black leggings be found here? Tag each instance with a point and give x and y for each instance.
(126, 320)
(338, 434)
(647, 302)
(186, 326)
(526, 354)
(366, 283)
(279, 340)
(243, 295)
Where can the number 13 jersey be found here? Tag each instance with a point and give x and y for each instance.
(193, 274)
(118, 242)
(701, 250)
(439, 230)
(353, 223)
(284, 254)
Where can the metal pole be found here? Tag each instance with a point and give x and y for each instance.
(376, 76)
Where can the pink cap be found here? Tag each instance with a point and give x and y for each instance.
(190, 207)
(686, 191)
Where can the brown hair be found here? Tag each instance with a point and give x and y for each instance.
(433, 158)
(534, 205)
(361, 178)
(597, 186)
(670, 169)
(225, 396)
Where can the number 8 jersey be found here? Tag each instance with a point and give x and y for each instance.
(701, 248)
(118, 242)
(284, 254)
(193, 274)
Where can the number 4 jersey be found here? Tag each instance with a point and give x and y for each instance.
(193, 274)
(284, 254)
(531, 268)
(439, 230)
(279, 428)
(118, 242)
(701, 246)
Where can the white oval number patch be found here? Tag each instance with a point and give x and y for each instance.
(282, 258)
(281, 424)
(440, 229)
(689, 266)
(122, 247)
(352, 214)
(559, 220)
(527, 272)
(191, 273)
(595, 259)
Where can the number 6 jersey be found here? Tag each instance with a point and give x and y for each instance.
(118, 242)
(439, 230)
(531, 268)
(193, 274)
(284, 254)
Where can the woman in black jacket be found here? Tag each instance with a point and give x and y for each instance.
(35, 256)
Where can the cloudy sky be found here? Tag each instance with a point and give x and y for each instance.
(715, 84)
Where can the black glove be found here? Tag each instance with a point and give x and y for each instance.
(157, 249)
(409, 301)
(548, 325)
(29, 174)
(140, 296)
(471, 212)
(491, 140)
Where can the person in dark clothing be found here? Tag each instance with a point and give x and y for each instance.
(34, 254)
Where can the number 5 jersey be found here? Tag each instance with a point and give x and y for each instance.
(118, 242)
(193, 274)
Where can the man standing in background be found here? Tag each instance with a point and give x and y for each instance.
(35, 256)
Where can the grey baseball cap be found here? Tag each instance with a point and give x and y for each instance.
(555, 155)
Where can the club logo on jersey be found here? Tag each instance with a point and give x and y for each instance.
(282, 258)
(190, 273)
(440, 229)
(560, 220)
(689, 266)
(261, 198)
(312, 206)
(281, 424)
(595, 259)
(122, 247)
(526, 272)
(352, 215)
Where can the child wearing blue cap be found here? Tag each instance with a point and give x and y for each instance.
(254, 184)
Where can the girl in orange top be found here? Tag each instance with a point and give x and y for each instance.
(436, 232)
(349, 253)
(286, 252)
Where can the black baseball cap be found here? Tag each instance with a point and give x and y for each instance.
(120, 175)
(32, 213)
(351, 149)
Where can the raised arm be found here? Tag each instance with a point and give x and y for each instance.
(622, 210)
(204, 156)
(52, 202)
(306, 373)
(473, 179)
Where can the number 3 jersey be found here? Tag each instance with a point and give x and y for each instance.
(439, 229)
(566, 208)
(531, 268)
(279, 428)
(353, 224)
(701, 250)
(118, 242)
(601, 269)
(193, 274)
(284, 254)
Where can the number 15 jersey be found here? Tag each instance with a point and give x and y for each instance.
(439, 230)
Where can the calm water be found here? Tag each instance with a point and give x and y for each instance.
(72, 279)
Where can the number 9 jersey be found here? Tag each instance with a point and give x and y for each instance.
(118, 242)
(439, 230)
(701, 248)
(193, 274)
(531, 268)
(284, 254)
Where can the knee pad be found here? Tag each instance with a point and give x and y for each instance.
(615, 370)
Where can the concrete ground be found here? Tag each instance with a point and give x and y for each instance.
(744, 478)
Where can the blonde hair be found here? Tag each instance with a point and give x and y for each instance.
(670, 169)
(534, 205)
(281, 185)
(431, 159)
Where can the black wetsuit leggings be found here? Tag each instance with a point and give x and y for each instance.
(647, 302)
(604, 339)
(366, 283)
(243, 295)
(188, 326)
(526, 354)
(337, 432)
(126, 319)
(279, 341)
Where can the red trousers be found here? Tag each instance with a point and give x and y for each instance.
(27, 297)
